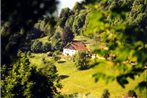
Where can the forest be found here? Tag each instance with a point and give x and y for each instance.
(34, 36)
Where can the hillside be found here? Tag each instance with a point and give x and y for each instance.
(114, 33)
(83, 82)
(107, 31)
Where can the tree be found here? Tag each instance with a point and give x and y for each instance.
(46, 25)
(70, 21)
(67, 35)
(78, 23)
(33, 34)
(18, 16)
(46, 47)
(65, 13)
(25, 81)
(81, 60)
(56, 41)
(36, 46)
(77, 7)
(19, 13)
(90, 1)
(106, 94)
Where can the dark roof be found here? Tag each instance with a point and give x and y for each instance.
(77, 45)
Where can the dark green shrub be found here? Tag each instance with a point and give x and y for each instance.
(36, 46)
(65, 13)
(46, 47)
(81, 60)
(67, 35)
(132, 93)
(56, 42)
(106, 94)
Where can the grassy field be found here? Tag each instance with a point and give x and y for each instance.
(82, 81)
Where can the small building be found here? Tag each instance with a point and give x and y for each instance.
(73, 47)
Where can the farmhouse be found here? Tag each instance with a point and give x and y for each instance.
(73, 47)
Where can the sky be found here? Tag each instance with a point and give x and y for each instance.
(67, 3)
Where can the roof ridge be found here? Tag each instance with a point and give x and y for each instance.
(77, 45)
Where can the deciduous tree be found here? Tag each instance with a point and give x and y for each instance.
(81, 60)
(67, 35)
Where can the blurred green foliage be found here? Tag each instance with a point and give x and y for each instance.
(26, 81)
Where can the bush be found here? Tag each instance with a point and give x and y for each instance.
(105, 94)
(46, 47)
(81, 60)
(56, 57)
(132, 93)
(29, 53)
(36, 46)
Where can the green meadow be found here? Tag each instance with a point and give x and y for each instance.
(83, 82)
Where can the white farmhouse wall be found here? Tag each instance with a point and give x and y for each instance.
(70, 52)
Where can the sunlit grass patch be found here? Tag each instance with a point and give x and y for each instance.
(82, 81)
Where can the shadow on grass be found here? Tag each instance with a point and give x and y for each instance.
(94, 64)
(88, 66)
(63, 76)
(61, 61)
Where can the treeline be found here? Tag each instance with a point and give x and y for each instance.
(66, 26)
(59, 31)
